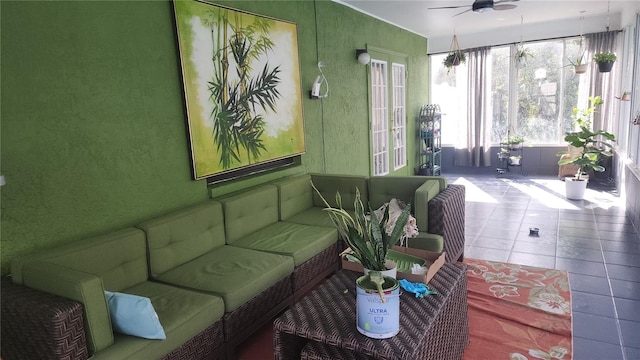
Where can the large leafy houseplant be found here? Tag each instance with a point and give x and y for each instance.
(593, 145)
(366, 235)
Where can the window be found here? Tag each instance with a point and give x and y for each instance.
(449, 90)
(535, 100)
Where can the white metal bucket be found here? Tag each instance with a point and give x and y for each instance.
(374, 318)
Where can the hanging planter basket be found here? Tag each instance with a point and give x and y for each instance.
(605, 67)
(581, 69)
(521, 56)
(455, 56)
(605, 61)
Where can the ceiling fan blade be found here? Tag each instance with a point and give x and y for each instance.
(496, 2)
(504, 7)
(447, 7)
(461, 12)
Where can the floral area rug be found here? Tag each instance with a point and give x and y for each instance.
(518, 312)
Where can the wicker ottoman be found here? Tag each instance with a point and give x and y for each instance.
(323, 325)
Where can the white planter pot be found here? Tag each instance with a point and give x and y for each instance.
(391, 271)
(515, 160)
(574, 190)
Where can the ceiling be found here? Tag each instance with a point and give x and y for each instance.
(415, 16)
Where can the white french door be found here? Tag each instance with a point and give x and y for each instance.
(388, 117)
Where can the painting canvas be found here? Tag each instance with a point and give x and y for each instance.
(242, 87)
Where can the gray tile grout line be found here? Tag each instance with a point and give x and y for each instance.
(613, 300)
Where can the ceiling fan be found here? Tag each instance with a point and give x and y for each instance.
(482, 6)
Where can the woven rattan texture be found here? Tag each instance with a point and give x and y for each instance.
(38, 325)
(317, 351)
(208, 344)
(244, 320)
(310, 271)
(435, 327)
(446, 218)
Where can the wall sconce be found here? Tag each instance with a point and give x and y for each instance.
(314, 93)
(363, 56)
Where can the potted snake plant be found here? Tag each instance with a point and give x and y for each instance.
(366, 235)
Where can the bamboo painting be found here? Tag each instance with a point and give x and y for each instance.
(242, 87)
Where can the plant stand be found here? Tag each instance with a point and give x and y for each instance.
(510, 159)
(429, 141)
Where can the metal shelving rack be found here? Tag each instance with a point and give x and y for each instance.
(429, 142)
(506, 162)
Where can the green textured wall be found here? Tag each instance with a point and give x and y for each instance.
(93, 126)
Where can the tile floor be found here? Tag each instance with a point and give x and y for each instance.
(592, 239)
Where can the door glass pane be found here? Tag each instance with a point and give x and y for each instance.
(399, 117)
(380, 129)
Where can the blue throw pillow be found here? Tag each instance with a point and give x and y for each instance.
(134, 315)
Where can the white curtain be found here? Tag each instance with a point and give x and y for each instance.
(604, 85)
(478, 129)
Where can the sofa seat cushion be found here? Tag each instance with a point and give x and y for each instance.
(233, 273)
(183, 314)
(301, 242)
(314, 216)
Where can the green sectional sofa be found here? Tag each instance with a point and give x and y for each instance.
(215, 272)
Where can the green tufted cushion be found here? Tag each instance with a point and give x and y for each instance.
(315, 216)
(346, 185)
(430, 242)
(177, 238)
(183, 313)
(249, 211)
(384, 188)
(119, 258)
(301, 242)
(295, 195)
(235, 274)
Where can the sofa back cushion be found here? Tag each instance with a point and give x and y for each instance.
(384, 188)
(250, 210)
(414, 190)
(118, 258)
(179, 237)
(294, 195)
(346, 185)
